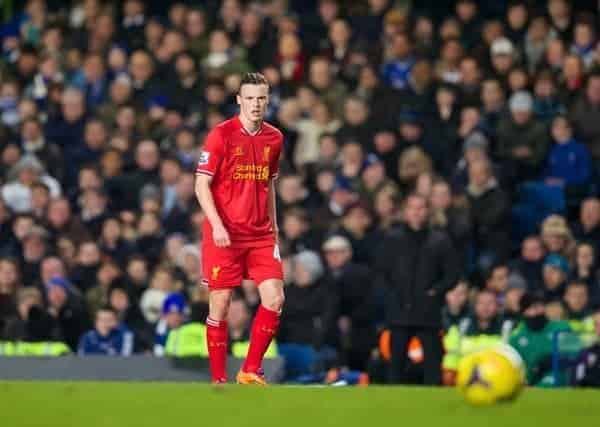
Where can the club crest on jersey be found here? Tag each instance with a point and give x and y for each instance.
(266, 153)
(238, 151)
(203, 160)
(215, 272)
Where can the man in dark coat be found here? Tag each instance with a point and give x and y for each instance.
(416, 265)
(490, 215)
(355, 313)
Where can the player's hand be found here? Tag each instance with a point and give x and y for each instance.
(221, 237)
(276, 253)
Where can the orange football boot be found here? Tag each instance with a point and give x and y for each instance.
(250, 378)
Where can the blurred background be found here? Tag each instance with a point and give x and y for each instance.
(488, 110)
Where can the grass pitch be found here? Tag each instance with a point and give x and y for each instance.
(87, 404)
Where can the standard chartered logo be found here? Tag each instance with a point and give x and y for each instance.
(251, 172)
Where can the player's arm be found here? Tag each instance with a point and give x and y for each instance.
(273, 209)
(272, 193)
(208, 165)
(207, 203)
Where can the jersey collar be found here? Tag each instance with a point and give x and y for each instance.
(242, 129)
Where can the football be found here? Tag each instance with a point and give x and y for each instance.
(490, 376)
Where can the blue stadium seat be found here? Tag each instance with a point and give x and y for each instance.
(535, 201)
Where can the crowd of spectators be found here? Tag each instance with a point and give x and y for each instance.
(489, 111)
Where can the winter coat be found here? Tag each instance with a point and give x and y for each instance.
(416, 269)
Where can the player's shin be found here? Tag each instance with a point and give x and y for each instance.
(264, 328)
(216, 341)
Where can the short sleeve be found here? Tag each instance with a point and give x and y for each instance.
(274, 166)
(212, 153)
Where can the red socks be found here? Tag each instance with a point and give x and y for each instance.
(264, 329)
(216, 341)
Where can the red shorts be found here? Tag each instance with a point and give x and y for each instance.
(224, 268)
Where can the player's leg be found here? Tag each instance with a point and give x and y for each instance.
(217, 333)
(433, 353)
(267, 272)
(222, 272)
(400, 336)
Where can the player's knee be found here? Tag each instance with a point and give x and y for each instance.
(219, 306)
(275, 302)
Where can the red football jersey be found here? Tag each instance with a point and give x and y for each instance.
(241, 165)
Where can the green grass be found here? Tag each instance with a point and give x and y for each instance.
(87, 404)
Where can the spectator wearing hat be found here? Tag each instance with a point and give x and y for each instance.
(172, 317)
(67, 310)
(414, 290)
(522, 141)
(557, 237)
(555, 273)
(502, 52)
(533, 339)
(355, 316)
(107, 338)
(308, 322)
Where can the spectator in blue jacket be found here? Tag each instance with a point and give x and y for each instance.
(173, 315)
(396, 71)
(569, 162)
(107, 338)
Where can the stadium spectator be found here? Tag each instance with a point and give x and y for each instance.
(587, 229)
(480, 330)
(533, 339)
(569, 164)
(522, 141)
(355, 313)
(489, 213)
(172, 317)
(557, 237)
(307, 330)
(107, 338)
(457, 305)
(577, 305)
(555, 271)
(414, 291)
(67, 310)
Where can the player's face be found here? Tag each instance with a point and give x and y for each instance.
(253, 101)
